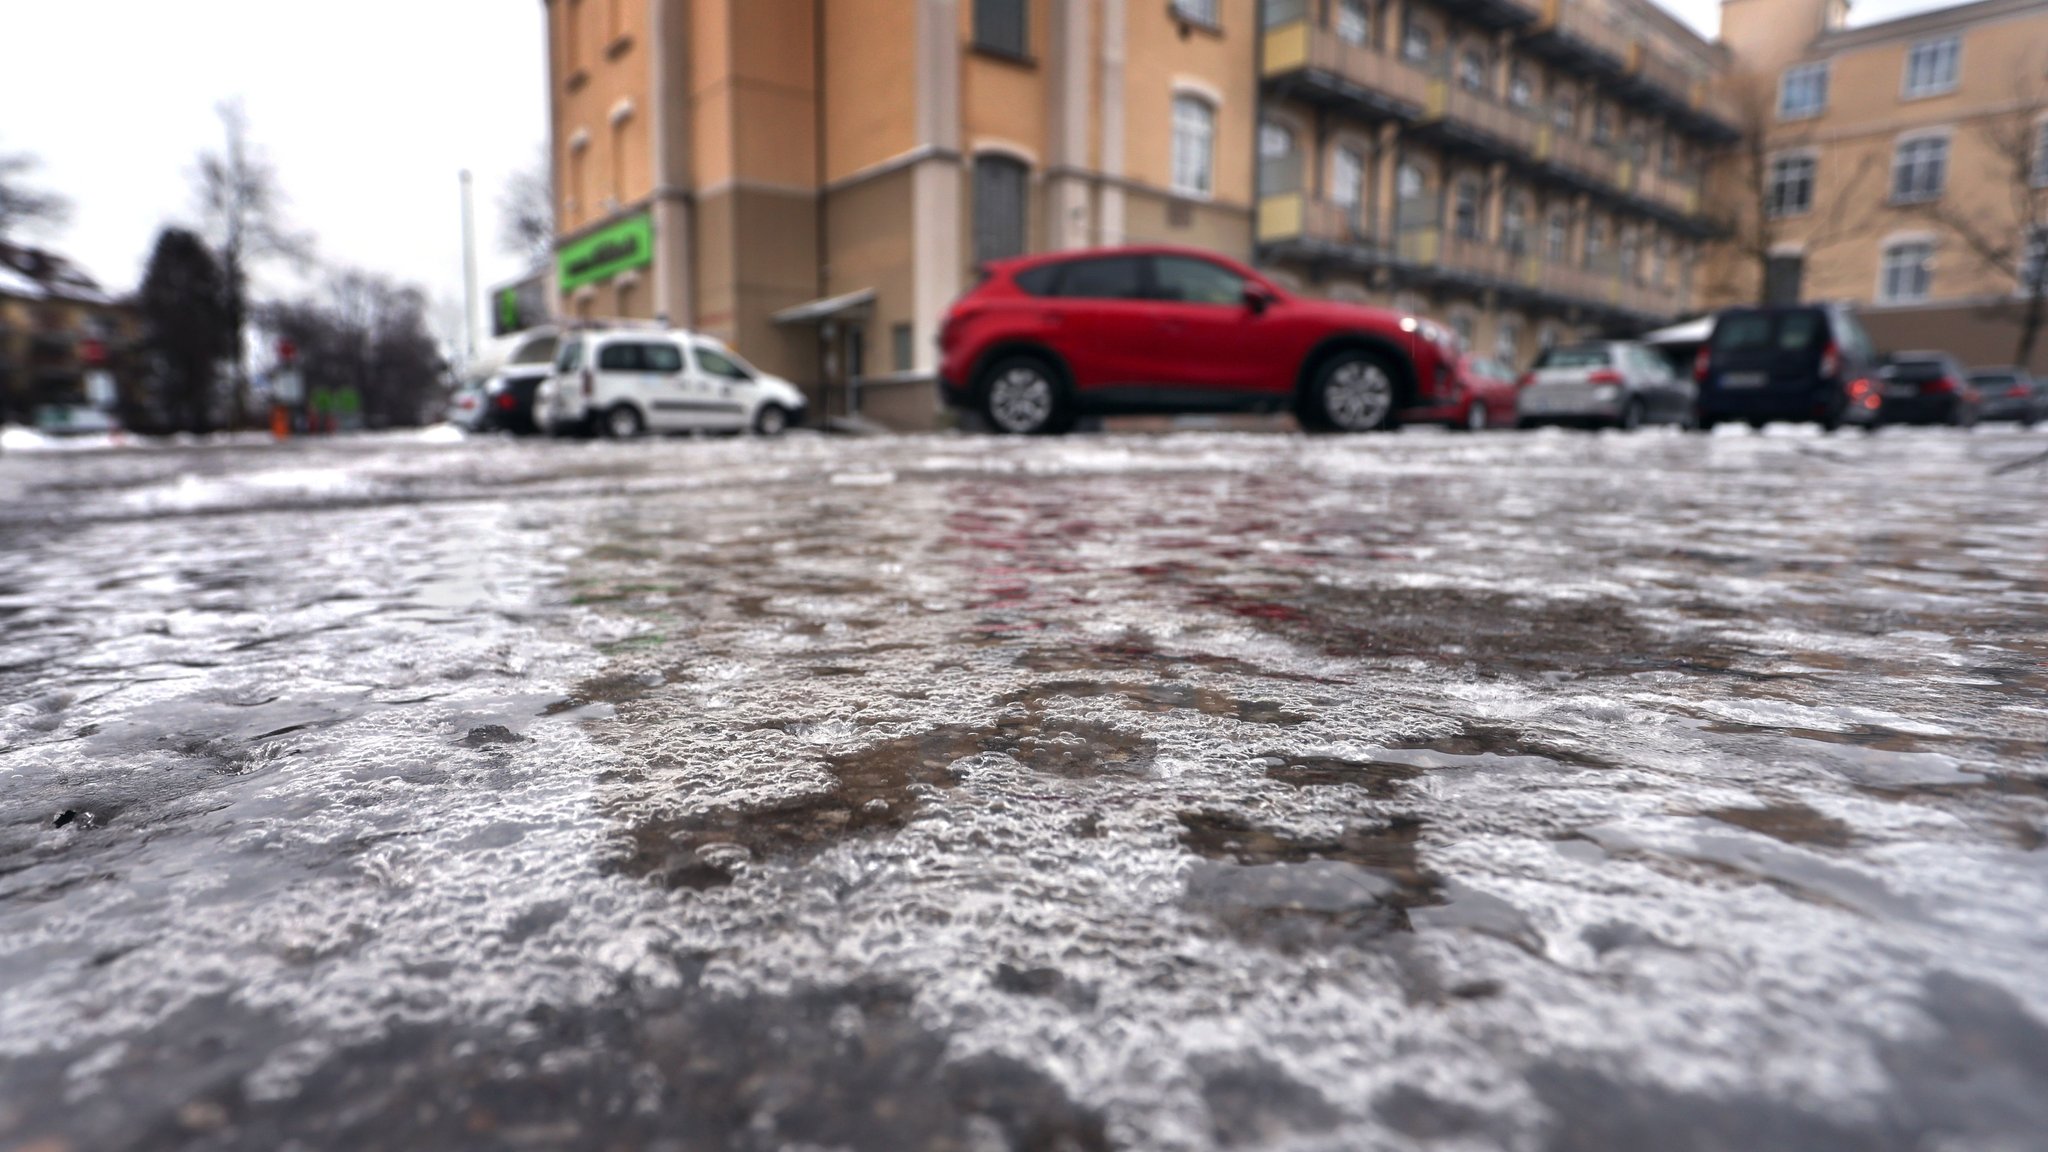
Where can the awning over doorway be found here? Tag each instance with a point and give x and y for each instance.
(1690, 332)
(830, 308)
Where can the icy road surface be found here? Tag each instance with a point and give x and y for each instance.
(1535, 792)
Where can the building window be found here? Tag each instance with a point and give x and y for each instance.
(1507, 341)
(2041, 154)
(1631, 251)
(1279, 166)
(1919, 169)
(1564, 113)
(1472, 70)
(1416, 47)
(1908, 272)
(1002, 27)
(902, 347)
(1933, 65)
(999, 207)
(1803, 91)
(1557, 237)
(1465, 214)
(1660, 261)
(1788, 188)
(1412, 207)
(1194, 146)
(1596, 242)
(1521, 87)
(1354, 22)
(1197, 12)
(1672, 157)
(1514, 224)
(1603, 124)
(1347, 181)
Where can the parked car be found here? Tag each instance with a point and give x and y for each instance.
(1809, 364)
(2011, 394)
(508, 400)
(466, 408)
(1484, 398)
(623, 382)
(1603, 383)
(1045, 340)
(1927, 388)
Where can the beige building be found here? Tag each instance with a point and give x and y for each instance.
(66, 345)
(816, 180)
(1523, 169)
(1899, 166)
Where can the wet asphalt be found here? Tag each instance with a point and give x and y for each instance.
(1551, 792)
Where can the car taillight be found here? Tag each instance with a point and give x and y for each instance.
(1527, 379)
(507, 401)
(1604, 376)
(2016, 392)
(1944, 386)
(1860, 388)
(589, 383)
(1830, 362)
(1701, 365)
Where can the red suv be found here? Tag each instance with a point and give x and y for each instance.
(1045, 339)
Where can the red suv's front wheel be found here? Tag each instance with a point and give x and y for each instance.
(1021, 396)
(1352, 391)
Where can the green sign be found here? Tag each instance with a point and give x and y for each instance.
(605, 253)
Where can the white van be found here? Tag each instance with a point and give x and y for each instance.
(625, 382)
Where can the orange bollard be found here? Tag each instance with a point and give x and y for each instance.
(280, 422)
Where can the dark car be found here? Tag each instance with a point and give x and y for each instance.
(1044, 340)
(2010, 394)
(1808, 364)
(1927, 388)
(508, 400)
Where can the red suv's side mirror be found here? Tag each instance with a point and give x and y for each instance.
(1257, 297)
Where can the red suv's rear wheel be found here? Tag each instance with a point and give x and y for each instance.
(1023, 396)
(1352, 391)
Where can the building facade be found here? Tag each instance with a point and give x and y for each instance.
(1903, 167)
(1525, 170)
(815, 181)
(66, 346)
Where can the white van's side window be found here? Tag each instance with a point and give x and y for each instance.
(716, 363)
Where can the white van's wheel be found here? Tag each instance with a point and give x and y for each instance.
(773, 420)
(623, 423)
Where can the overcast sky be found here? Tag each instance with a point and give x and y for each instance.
(369, 109)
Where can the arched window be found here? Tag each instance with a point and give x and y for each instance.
(1472, 70)
(1347, 180)
(1564, 112)
(1465, 209)
(1000, 200)
(1194, 146)
(1514, 224)
(1521, 87)
(1354, 22)
(1557, 237)
(1279, 164)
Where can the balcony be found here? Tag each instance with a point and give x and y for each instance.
(1291, 224)
(1574, 37)
(1460, 118)
(1578, 162)
(1312, 64)
(1674, 199)
(1493, 14)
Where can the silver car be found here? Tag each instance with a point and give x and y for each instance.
(1604, 383)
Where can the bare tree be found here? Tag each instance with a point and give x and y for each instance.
(2007, 235)
(243, 209)
(1757, 222)
(526, 212)
(22, 204)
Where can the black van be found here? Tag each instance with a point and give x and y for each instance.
(1809, 364)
